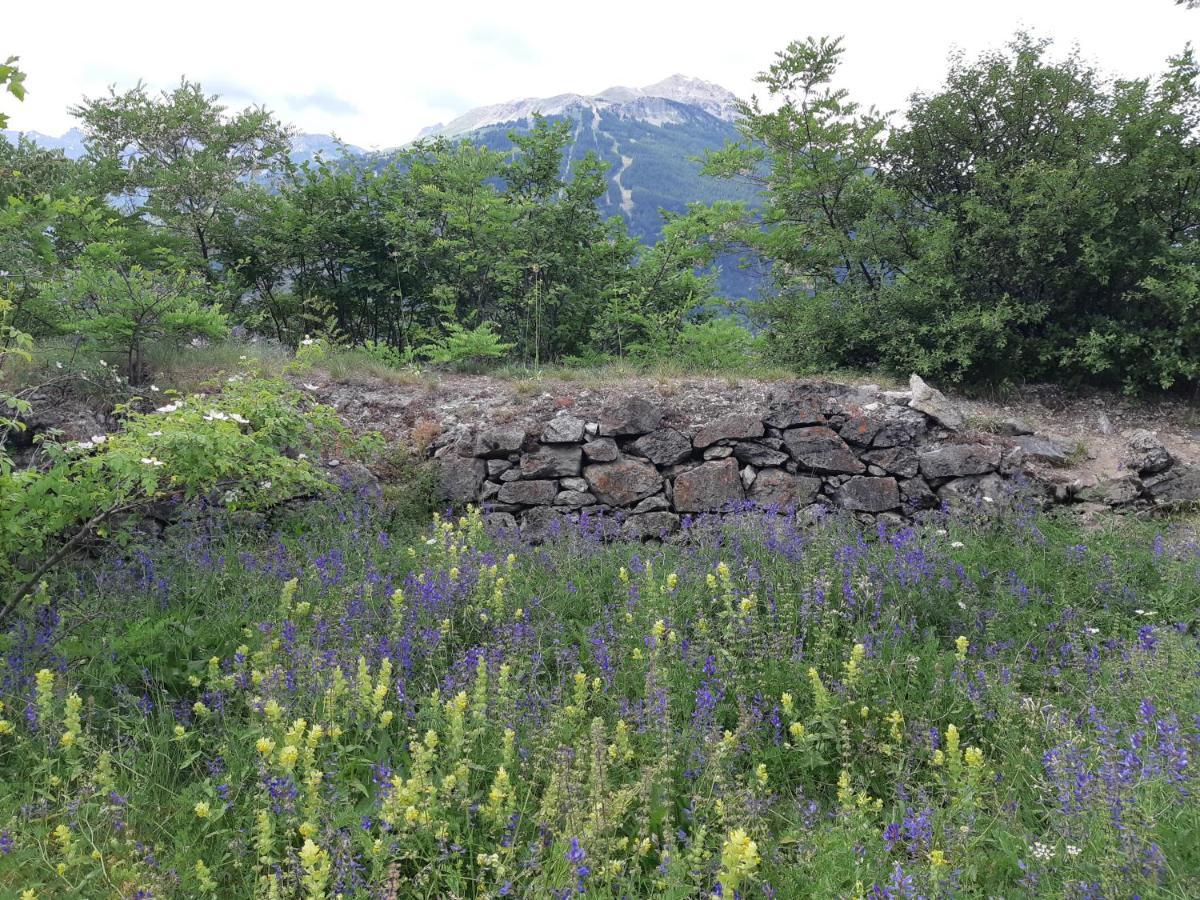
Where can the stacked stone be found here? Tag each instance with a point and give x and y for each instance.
(875, 455)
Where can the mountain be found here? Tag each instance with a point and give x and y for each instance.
(650, 137)
(304, 146)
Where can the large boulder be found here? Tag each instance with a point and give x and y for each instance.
(734, 425)
(1147, 455)
(663, 447)
(934, 404)
(861, 429)
(1113, 491)
(563, 430)
(633, 415)
(819, 449)
(791, 410)
(623, 481)
(461, 478)
(708, 487)
(864, 494)
(552, 461)
(529, 493)
(500, 440)
(956, 460)
(783, 490)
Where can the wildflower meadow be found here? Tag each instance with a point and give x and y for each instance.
(340, 702)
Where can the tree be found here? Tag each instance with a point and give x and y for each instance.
(182, 151)
(125, 305)
(12, 79)
(1028, 218)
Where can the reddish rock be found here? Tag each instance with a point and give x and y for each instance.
(623, 481)
(708, 487)
(869, 494)
(777, 488)
(632, 415)
(734, 425)
(552, 461)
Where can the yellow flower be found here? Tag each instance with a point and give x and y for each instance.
(307, 829)
(265, 746)
(796, 730)
(67, 739)
(385, 718)
(180, 731)
(288, 756)
(760, 774)
(788, 702)
(672, 581)
(937, 858)
(960, 647)
(6, 727)
(202, 809)
(29, 894)
(973, 757)
(739, 859)
(199, 709)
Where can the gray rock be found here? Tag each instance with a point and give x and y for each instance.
(753, 453)
(574, 499)
(860, 429)
(917, 494)
(865, 494)
(1104, 424)
(734, 425)
(541, 524)
(933, 403)
(748, 475)
(513, 474)
(633, 415)
(591, 429)
(622, 482)
(497, 467)
(1044, 449)
(782, 490)
(1179, 485)
(982, 491)
(721, 452)
(955, 460)
(499, 441)
(1013, 428)
(901, 426)
(819, 449)
(573, 484)
(650, 525)
(499, 520)
(489, 491)
(796, 412)
(552, 461)
(708, 487)
(1147, 455)
(900, 461)
(1113, 492)
(461, 478)
(601, 450)
(657, 503)
(664, 447)
(563, 430)
(529, 493)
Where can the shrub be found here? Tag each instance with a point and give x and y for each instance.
(461, 348)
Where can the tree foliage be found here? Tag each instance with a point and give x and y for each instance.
(1029, 219)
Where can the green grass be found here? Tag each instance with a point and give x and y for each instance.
(762, 705)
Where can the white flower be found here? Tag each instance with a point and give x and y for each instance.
(1093, 630)
(1041, 851)
(98, 439)
(151, 461)
(242, 356)
(266, 485)
(103, 363)
(1144, 612)
(84, 445)
(230, 496)
(170, 407)
(307, 342)
(154, 434)
(57, 365)
(154, 388)
(215, 415)
(957, 544)
(1073, 850)
(431, 542)
(301, 456)
(311, 387)
(941, 532)
(988, 500)
(241, 420)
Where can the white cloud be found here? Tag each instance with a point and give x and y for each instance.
(377, 73)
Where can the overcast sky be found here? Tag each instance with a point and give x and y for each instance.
(375, 72)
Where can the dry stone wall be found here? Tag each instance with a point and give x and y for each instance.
(871, 453)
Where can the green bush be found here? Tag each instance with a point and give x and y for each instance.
(461, 348)
(720, 345)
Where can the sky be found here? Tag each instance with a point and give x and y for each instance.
(375, 72)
